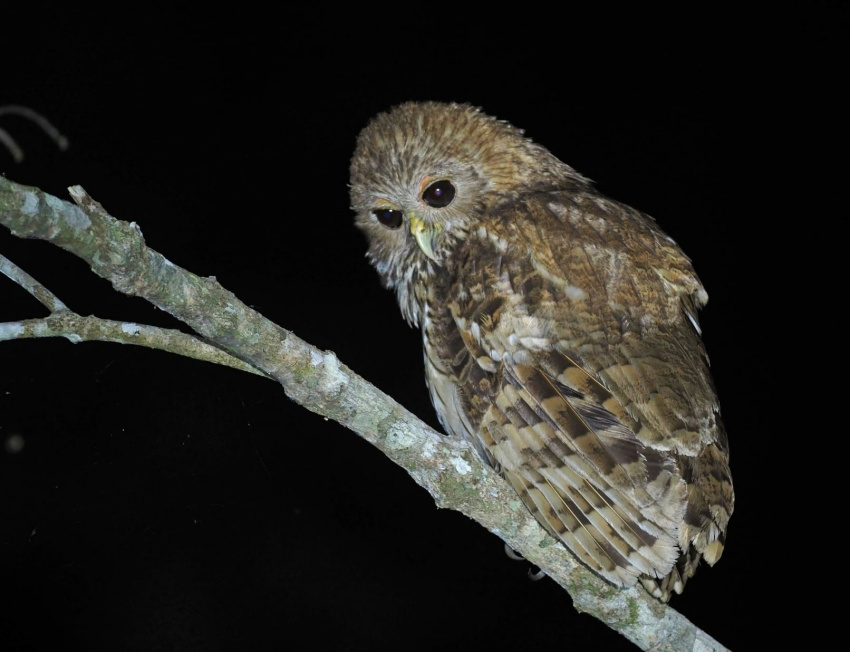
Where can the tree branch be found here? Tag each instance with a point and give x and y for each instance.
(36, 289)
(62, 322)
(445, 466)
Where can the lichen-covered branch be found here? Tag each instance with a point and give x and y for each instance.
(317, 380)
(80, 328)
(27, 282)
(62, 322)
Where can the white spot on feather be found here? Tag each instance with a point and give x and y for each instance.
(574, 293)
(535, 343)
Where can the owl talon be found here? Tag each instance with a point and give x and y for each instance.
(513, 554)
(533, 575)
(536, 576)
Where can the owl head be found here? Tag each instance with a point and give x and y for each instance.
(424, 173)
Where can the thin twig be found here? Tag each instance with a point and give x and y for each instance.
(14, 149)
(62, 322)
(77, 328)
(36, 289)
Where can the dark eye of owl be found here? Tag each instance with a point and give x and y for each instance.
(439, 194)
(388, 217)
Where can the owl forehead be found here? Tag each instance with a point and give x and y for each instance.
(402, 163)
(400, 148)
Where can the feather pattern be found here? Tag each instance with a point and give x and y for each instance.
(560, 336)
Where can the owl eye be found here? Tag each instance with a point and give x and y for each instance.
(439, 194)
(388, 217)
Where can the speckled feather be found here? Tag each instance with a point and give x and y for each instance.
(560, 336)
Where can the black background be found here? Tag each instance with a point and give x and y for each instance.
(167, 504)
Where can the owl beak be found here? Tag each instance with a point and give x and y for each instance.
(426, 237)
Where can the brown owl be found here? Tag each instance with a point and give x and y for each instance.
(560, 337)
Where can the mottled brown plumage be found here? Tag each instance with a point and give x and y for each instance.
(560, 336)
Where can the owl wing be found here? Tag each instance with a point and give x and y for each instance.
(579, 372)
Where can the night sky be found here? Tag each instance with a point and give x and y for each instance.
(161, 503)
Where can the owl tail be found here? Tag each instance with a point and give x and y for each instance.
(674, 582)
(682, 571)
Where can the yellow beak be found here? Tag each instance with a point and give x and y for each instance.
(426, 237)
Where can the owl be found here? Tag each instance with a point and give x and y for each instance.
(560, 337)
